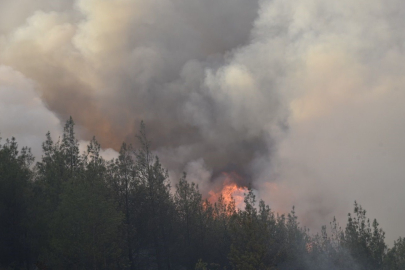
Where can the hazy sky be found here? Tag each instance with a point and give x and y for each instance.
(305, 99)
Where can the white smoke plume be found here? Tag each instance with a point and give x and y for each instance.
(303, 99)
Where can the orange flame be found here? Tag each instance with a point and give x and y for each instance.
(229, 191)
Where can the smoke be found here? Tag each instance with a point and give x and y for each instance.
(110, 64)
(304, 100)
(22, 113)
(344, 86)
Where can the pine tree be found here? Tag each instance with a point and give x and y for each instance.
(365, 241)
(188, 201)
(158, 200)
(15, 229)
(86, 224)
(395, 258)
(124, 183)
(247, 249)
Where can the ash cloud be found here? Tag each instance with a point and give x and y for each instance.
(304, 99)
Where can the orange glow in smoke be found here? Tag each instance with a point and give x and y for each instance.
(229, 190)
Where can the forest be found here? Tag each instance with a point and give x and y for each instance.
(73, 210)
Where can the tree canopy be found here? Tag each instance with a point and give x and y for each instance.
(75, 210)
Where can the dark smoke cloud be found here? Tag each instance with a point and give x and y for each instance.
(111, 64)
(304, 99)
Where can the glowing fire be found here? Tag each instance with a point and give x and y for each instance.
(229, 190)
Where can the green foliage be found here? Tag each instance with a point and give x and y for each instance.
(85, 227)
(207, 266)
(201, 265)
(79, 211)
(395, 258)
(247, 249)
(189, 209)
(15, 183)
(364, 240)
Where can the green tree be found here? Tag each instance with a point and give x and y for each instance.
(247, 249)
(395, 259)
(123, 182)
(15, 233)
(60, 164)
(364, 240)
(189, 209)
(85, 227)
(158, 201)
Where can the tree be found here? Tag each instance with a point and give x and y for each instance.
(122, 178)
(247, 249)
(365, 241)
(75, 211)
(70, 147)
(158, 200)
(189, 209)
(15, 233)
(60, 163)
(395, 259)
(86, 224)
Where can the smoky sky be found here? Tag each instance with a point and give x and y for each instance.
(303, 99)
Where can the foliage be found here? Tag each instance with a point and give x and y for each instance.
(15, 176)
(79, 211)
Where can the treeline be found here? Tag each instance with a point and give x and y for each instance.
(79, 211)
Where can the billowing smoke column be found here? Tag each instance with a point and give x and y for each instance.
(111, 64)
(302, 99)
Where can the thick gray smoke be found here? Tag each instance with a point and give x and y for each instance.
(111, 64)
(304, 99)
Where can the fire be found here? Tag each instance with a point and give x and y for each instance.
(229, 190)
